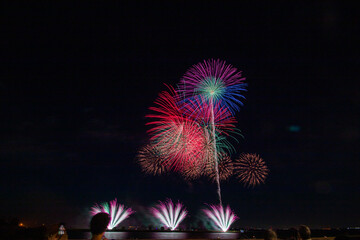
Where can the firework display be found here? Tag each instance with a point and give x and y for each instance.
(169, 214)
(191, 129)
(222, 218)
(251, 169)
(117, 212)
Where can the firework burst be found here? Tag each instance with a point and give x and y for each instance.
(225, 167)
(117, 212)
(216, 81)
(151, 160)
(169, 215)
(177, 137)
(199, 110)
(222, 218)
(251, 169)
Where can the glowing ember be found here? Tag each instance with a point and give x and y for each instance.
(171, 216)
(222, 219)
(117, 212)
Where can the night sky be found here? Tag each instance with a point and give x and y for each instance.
(77, 80)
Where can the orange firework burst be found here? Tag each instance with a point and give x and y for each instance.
(251, 169)
(225, 166)
(151, 160)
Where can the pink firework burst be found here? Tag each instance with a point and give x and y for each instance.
(225, 167)
(251, 169)
(222, 218)
(151, 160)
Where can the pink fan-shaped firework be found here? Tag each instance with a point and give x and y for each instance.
(222, 218)
(117, 212)
(151, 160)
(169, 214)
(215, 81)
(251, 169)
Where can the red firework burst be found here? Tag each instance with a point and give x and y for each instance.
(151, 160)
(178, 138)
(251, 169)
(225, 166)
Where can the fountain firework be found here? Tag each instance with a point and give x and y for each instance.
(117, 212)
(222, 219)
(171, 216)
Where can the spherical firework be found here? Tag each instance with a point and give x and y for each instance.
(225, 166)
(178, 138)
(251, 169)
(151, 160)
(215, 81)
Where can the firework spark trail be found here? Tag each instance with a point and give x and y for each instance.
(117, 212)
(251, 169)
(222, 219)
(171, 216)
(215, 152)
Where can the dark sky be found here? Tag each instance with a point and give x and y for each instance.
(77, 79)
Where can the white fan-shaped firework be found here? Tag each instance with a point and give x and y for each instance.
(117, 212)
(171, 216)
(221, 218)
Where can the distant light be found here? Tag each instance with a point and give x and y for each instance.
(21, 225)
(294, 128)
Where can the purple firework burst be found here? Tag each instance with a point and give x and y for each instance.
(251, 169)
(216, 81)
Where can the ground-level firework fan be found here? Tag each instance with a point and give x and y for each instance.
(169, 214)
(222, 218)
(117, 212)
